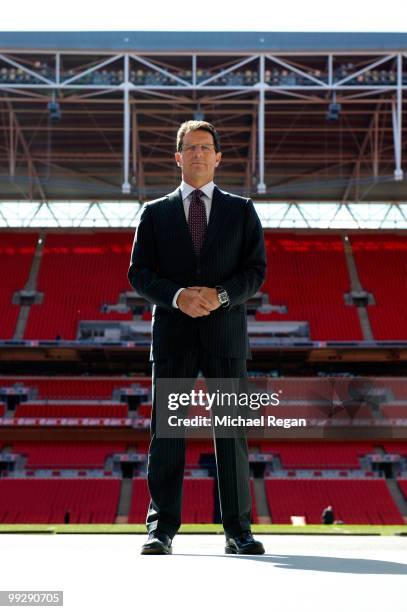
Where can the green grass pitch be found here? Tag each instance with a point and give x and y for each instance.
(208, 529)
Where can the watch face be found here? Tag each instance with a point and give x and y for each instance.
(223, 297)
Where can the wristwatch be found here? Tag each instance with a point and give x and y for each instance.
(222, 296)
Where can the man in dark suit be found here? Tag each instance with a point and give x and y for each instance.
(328, 516)
(198, 255)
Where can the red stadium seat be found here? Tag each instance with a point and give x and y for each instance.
(318, 455)
(92, 271)
(74, 387)
(41, 500)
(16, 256)
(72, 410)
(381, 261)
(65, 455)
(299, 276)
(354, 501)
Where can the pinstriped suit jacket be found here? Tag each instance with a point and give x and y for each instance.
(163, 260)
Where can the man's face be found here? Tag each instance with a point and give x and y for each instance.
(198, 158)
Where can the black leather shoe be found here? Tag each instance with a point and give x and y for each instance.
(158, 543)
(243, 544)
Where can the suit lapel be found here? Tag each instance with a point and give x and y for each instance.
(220, 211)
(177, 219)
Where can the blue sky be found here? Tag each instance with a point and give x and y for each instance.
(210, 15)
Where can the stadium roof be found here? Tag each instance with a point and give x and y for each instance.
(303, 117)
(205, 41)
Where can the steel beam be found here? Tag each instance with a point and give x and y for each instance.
(261, 185)
(397, 108)
(126, 188)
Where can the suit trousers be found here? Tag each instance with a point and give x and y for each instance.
(166, 456)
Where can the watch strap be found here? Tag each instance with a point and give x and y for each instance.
(222, 296)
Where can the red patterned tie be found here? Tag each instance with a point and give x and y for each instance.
(197, 220)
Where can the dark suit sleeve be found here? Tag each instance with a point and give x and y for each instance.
(244, 284)
(142, 274)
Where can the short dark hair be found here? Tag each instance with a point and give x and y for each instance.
(191, 126)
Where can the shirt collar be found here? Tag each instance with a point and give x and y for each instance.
(207, 189)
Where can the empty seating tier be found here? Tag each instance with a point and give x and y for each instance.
(49, 500)
(300, 276)
(66, 455)
(316, 454)
(354, 501)
(79, 388)
(381, 261)
(16, 256)
(70, 410)
(79, 273)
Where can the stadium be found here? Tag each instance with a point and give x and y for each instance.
(311, 126)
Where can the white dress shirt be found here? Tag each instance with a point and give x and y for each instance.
(186, 192)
